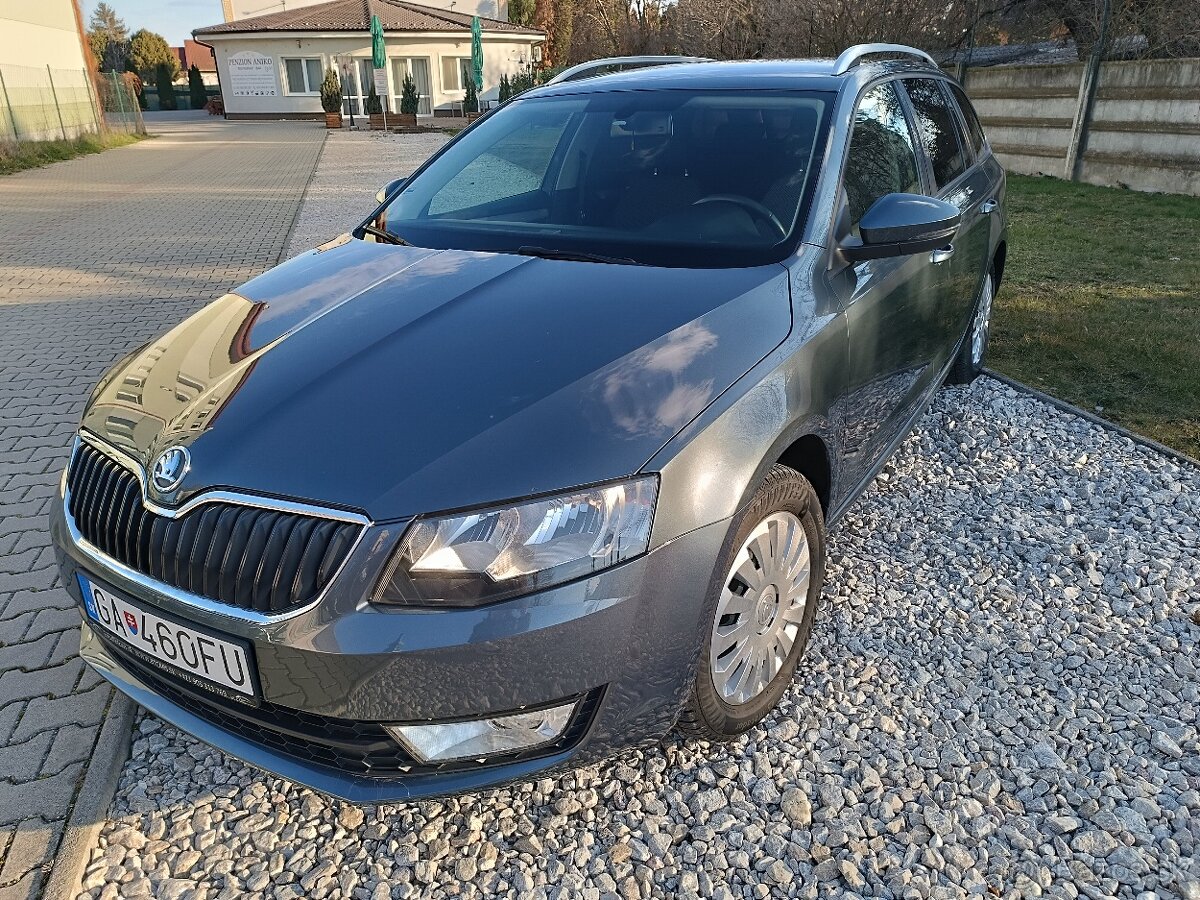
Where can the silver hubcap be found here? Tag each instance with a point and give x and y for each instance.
(761, 608)
(983, 315)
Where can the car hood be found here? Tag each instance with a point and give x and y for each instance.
(400, 380)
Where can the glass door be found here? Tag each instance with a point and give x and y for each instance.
(418, 68)
(366, 78)
(351, 102)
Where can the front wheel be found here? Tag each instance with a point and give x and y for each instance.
(760, 612)
(969, 362)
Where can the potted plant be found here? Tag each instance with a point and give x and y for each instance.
(331, 98)
(409, 101)
(375, 110)
(471, 102)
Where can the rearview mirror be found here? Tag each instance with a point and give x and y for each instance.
(903, 224)
(386, 192)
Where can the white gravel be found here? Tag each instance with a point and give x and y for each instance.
(1000, 699)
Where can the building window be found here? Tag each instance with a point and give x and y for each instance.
(456, 72)
(303, 76)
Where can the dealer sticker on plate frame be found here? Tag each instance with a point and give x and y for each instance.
(199, 657)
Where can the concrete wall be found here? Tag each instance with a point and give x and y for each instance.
(40, 103)
(1144, 133)
(39, 34)
(502, 55)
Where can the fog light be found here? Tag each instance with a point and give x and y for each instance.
(484, 737)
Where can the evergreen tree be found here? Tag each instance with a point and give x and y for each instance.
(197, 93)
(166, 89)
(374, 104)
(471, 102)
(331, 91)
(410, 101)
(148, 51)
(521, 12)
(109, 38)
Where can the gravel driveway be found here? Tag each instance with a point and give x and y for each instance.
(1000, 698)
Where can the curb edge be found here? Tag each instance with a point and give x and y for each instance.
(1177, 455)
(93, 800)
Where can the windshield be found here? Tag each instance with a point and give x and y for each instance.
(669, 177)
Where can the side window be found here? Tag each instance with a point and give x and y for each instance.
(938, 127)
(969, 116)
(881, 159)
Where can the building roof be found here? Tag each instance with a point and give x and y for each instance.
(194, 54)
(355, 15)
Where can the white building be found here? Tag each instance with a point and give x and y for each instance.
(271, 66)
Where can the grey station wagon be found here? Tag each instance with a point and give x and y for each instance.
(537, 463)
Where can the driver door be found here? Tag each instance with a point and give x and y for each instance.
(891, 307)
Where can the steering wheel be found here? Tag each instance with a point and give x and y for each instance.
(751, 206)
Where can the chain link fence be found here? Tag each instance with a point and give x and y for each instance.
(45, 104)
(119, 103)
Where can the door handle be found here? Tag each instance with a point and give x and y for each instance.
(989, 207)
(942, 254)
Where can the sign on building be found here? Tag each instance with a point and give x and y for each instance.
(252, 75)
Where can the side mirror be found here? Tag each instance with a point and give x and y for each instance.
(903, 224)
(386, 192)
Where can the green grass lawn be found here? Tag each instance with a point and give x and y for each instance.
(15, 157)
(1101, 303)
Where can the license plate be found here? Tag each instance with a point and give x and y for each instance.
(197, 656)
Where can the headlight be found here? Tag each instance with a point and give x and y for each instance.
(490, 554)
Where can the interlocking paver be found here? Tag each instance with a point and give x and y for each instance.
(98, 255)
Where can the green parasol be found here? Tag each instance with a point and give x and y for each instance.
(378, 55)
(477, 52)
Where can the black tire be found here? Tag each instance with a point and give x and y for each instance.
(966, 368)
(706, 714)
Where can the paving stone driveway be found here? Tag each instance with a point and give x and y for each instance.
(97, 255)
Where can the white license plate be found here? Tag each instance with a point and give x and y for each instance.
(210, 659)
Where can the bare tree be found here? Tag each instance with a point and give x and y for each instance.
(750, 29)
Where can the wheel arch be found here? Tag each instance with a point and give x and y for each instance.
(809, 456)
(804, 448)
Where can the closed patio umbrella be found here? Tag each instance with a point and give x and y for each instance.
(477, 52)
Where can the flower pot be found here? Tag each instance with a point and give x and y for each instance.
(333, 120)
(403, 120)
(376, 121)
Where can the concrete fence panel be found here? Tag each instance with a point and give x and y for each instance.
(1145, 126)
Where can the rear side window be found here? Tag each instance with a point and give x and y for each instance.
(882, 159)
(973, 127)
(939, 129)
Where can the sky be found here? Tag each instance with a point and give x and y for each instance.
(173, 19)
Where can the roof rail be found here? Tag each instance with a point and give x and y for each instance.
(852, 56)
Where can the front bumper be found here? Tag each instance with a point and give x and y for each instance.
(624, 641)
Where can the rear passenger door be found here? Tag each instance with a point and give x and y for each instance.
(956, 180)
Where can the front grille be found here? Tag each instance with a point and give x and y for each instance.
(255, 559)
(348, 745)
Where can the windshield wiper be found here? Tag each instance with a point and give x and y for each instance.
(576, 256)
(386, 236)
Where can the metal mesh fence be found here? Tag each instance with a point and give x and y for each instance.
(119, 104)
(41, 104)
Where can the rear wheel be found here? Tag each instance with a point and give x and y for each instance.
(971, 355)
(760, 612)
